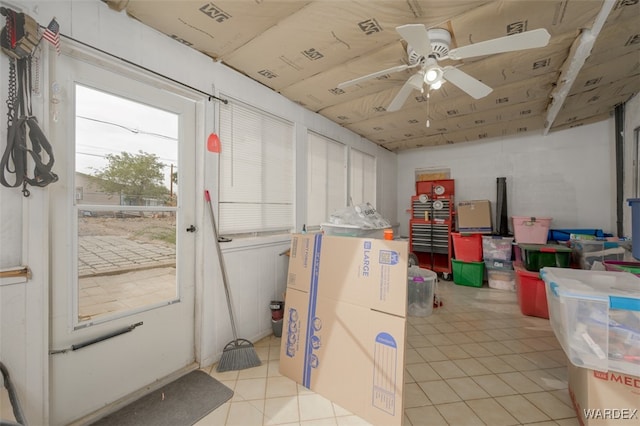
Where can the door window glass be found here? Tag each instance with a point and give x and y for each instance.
(126, 184)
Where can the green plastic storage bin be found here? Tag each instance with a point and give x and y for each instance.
(621, 266)
(468, 273)
(537, 256)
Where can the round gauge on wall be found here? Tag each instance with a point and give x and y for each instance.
(423, 198)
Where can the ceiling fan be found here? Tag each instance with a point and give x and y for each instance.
(426, 47)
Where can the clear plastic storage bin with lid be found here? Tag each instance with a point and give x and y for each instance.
(496, 247)
(586, 252)
(421, 287)
(596, 317)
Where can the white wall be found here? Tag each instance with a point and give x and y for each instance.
(566, 175)
(256, 271)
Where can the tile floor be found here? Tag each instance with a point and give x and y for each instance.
(475, 361)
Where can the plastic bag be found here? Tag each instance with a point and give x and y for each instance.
(361, 215)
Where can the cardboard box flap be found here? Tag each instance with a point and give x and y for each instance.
(304, 261)
(368, 350)
(371, 273)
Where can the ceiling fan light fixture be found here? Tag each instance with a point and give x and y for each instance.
(432, 75)
(436, 85)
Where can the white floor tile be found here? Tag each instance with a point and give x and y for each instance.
(280, 386)
(244, 414)
(249, 389)
(314, 407)
(491, 412)
(459, 413)
(475, 360)
(467, 389)
(550, 405)
(520, 408)
(281, 410)
(439, 392)
(425, 416)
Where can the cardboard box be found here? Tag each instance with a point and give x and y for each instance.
(474, 216)
(345, 322)
(601, 398)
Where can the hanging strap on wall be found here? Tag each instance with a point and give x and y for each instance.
(25, 139)
(22, 145)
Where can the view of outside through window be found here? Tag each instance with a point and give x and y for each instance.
(126, 185)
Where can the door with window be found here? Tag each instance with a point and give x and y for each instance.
(122, 242)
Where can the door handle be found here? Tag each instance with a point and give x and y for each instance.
(191, 229)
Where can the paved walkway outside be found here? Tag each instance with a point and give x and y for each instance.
(107, 254)
(118, 274)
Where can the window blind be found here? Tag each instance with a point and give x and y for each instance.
(256, 171)
(362, 182)
(326, 178)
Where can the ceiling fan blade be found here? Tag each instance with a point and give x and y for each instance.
(417, 36)
(373, 75)
(521, 41)
(464, 81)
(413, 83)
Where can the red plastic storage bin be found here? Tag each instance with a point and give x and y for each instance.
(467, 247)
(532, 295)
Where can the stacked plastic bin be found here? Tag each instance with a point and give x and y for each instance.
(587, 252)
(496, 252)
(532, 295)
(537, 256)
(596, 317)
(532, 230)
(468, 267)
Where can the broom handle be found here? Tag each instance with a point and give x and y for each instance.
(222, 267)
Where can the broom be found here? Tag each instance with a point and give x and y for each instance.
(239, 353)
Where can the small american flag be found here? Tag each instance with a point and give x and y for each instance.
(52, 34)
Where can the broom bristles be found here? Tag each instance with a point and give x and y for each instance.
(238, 355)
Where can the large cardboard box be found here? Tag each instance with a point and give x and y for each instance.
(345, 322)
(474, 216)
(601, 398)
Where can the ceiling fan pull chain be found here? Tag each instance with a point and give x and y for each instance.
(428, 114)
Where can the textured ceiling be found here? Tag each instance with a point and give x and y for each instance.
(305, 49)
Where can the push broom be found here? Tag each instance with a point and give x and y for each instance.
(239, 353)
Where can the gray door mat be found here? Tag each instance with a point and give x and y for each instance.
(181, 402)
